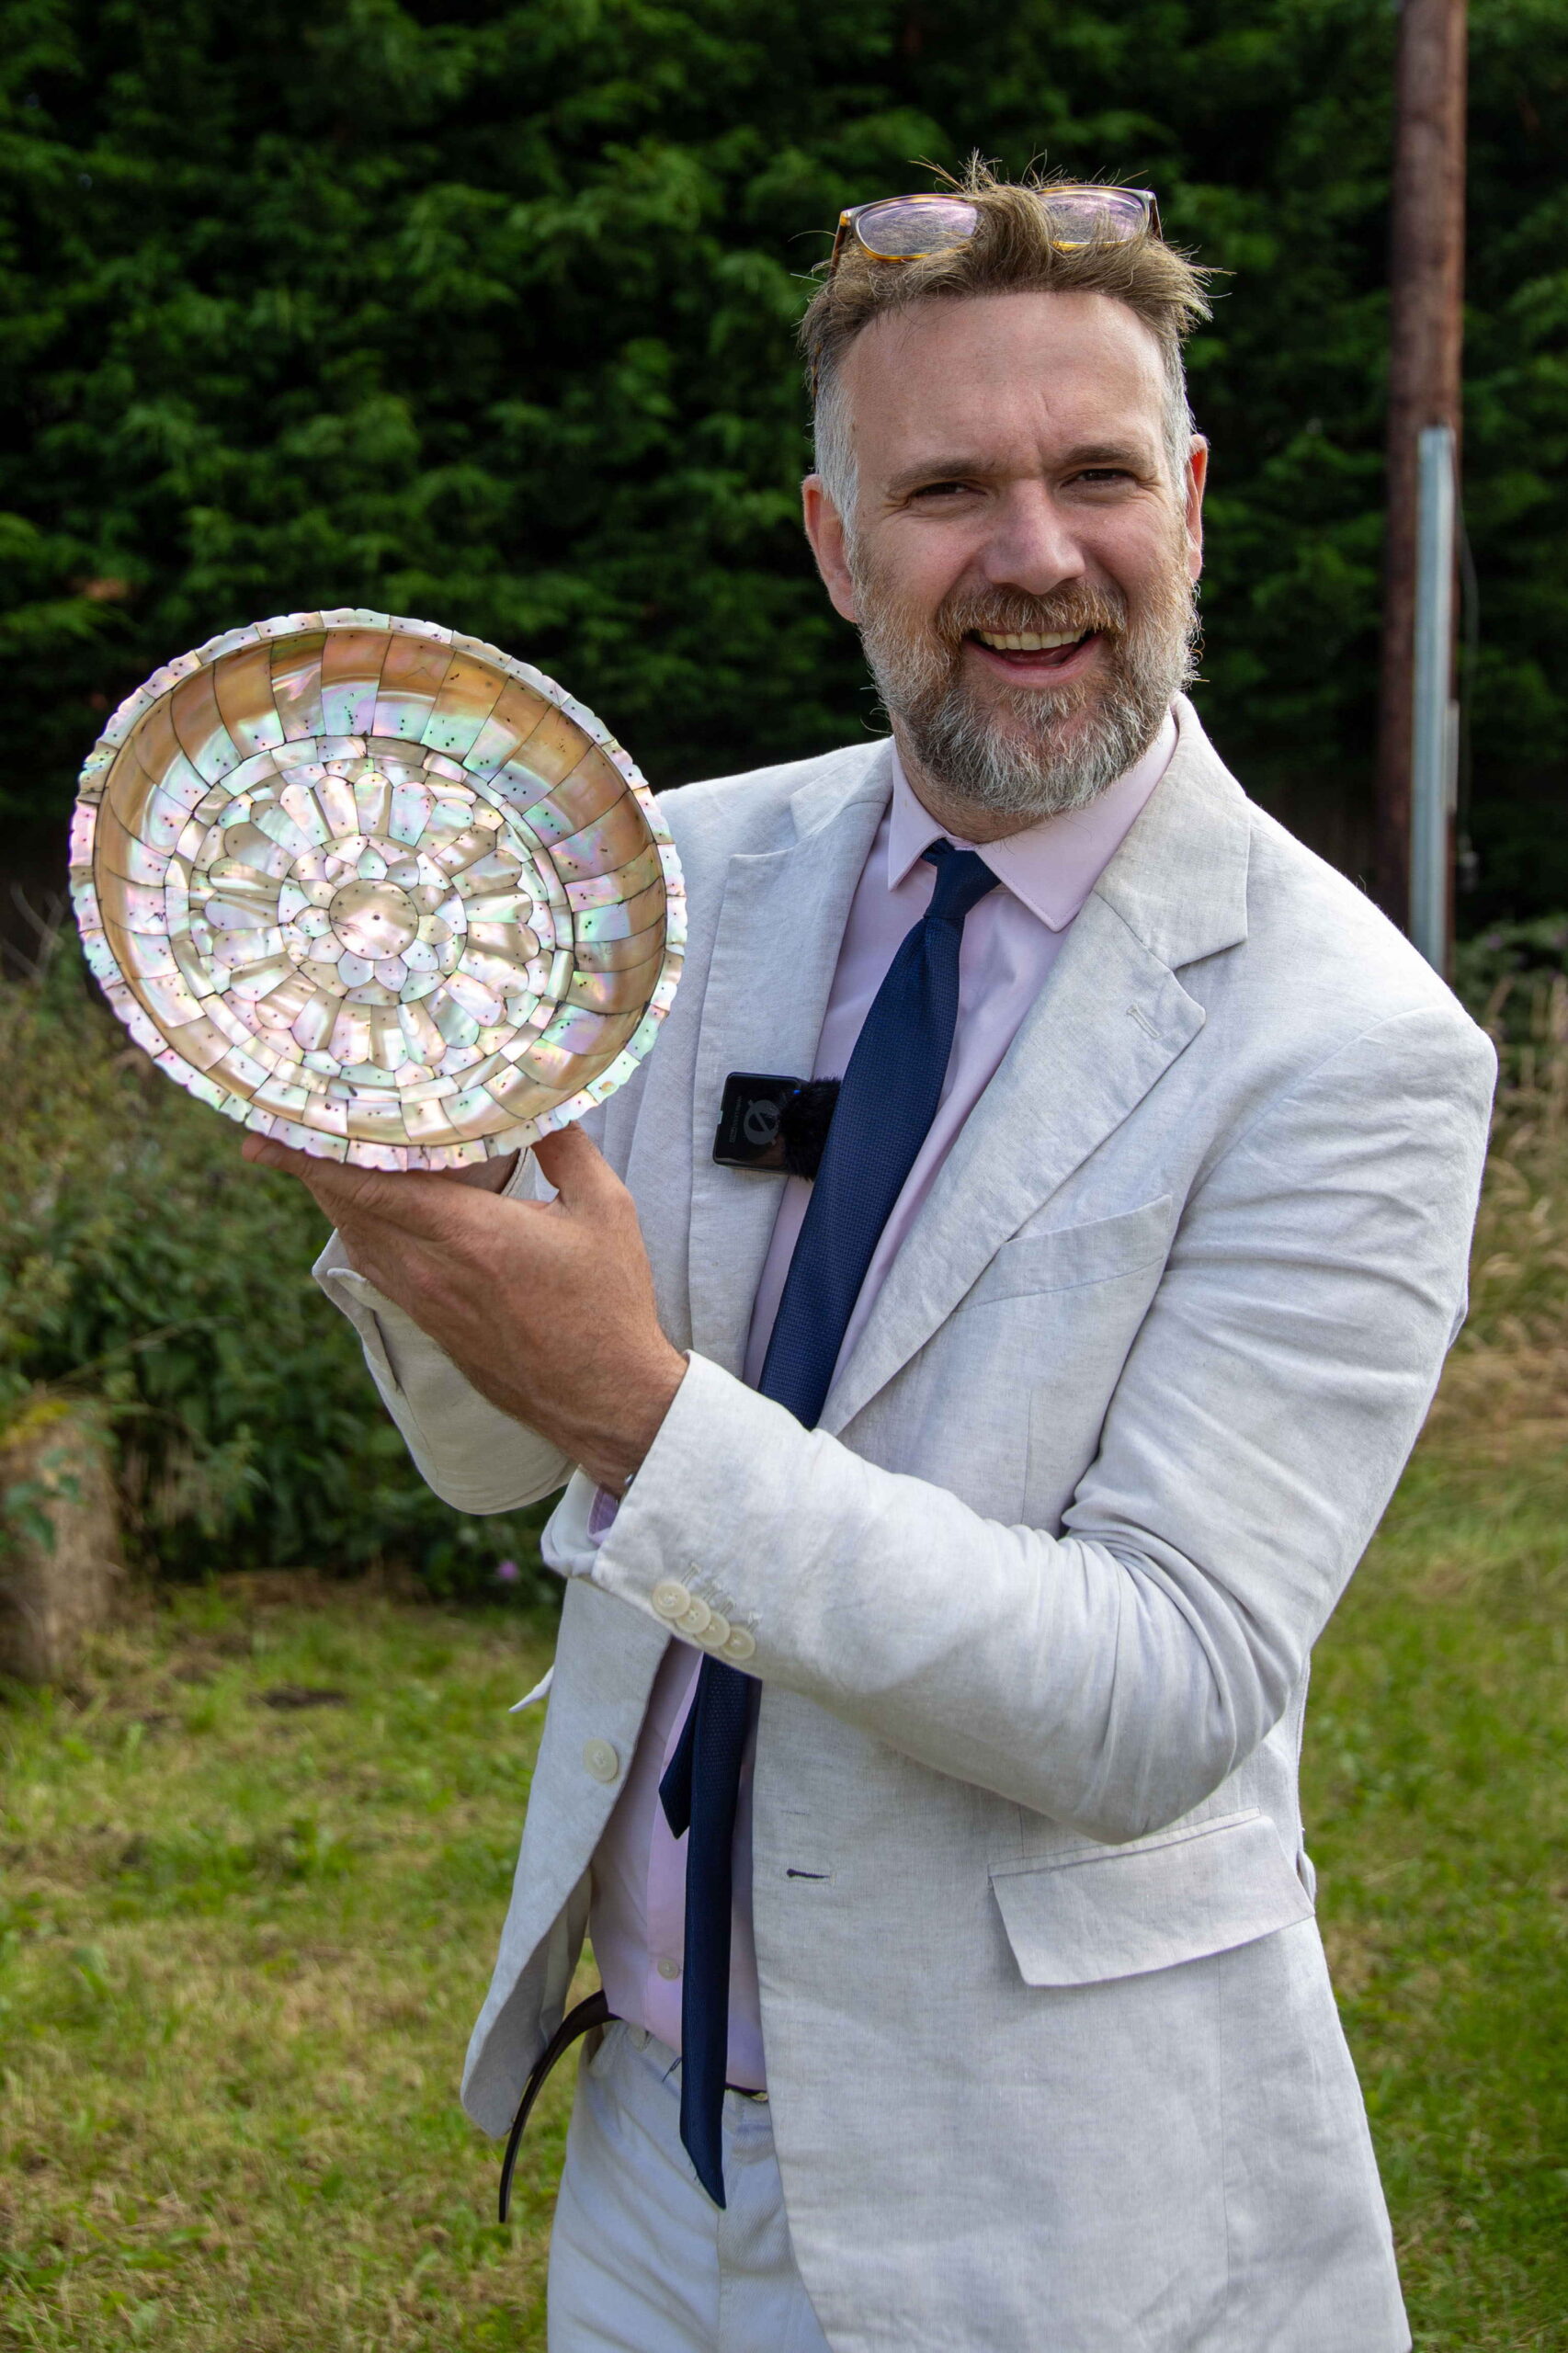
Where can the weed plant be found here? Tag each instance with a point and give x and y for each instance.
(147, 1270)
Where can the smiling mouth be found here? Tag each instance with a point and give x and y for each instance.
(1034, 649)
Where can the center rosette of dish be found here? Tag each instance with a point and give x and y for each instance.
(379, 927)
(376, 920)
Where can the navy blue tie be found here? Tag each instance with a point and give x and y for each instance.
(885, 1107)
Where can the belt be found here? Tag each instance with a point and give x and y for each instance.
(593, 2012)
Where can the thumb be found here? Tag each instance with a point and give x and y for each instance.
(573, 1164)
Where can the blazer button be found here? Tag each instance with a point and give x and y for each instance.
(670, 1598)
(600, 1759)
(740, 1646)
(695, 1620)
(716, 1633)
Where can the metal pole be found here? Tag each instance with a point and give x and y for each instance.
(1433, 734)
(1425, 276)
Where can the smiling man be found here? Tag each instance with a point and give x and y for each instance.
(945, 1535)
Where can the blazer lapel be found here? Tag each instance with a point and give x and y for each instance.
(774, 951)
(1111, 1019)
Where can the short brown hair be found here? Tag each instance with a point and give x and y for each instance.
(1010, 253)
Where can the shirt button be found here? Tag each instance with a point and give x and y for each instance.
(740, 1646)
(671, 1597)
(668, 1968)
(600, 1759)
(696, 1620)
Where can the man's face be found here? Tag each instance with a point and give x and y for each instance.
(1014, 484)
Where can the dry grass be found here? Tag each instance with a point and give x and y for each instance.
(1509, 1368)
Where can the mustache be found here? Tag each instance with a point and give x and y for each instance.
(1008, 613)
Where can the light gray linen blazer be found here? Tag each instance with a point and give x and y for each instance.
(1055, 2060)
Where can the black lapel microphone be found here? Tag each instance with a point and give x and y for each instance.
(774, 1125)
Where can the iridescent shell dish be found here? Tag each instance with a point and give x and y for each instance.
(376, 890)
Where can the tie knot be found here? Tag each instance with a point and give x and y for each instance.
(963, 879)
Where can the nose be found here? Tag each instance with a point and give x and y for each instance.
(1032, 546)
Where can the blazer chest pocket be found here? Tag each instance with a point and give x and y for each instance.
(1066, 1256)
(1122, 1912)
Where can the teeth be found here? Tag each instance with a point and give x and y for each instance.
(1030, 641)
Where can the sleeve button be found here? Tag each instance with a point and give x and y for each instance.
(695, 1620)
(670, 1598)
(739, 1646)
(600, 1759)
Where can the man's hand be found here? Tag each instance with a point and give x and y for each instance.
(547, 1308)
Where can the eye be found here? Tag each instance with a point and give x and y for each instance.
(1103, 477)
(936, 491)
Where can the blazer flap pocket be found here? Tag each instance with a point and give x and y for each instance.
(1070, 1255)
(1122, 1912)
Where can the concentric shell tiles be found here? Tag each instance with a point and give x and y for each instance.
(376, 890)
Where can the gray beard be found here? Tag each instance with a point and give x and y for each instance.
(1025, 753)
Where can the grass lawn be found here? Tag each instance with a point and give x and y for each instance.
(1436, 1797)
(244, 1928)
(255, 1866)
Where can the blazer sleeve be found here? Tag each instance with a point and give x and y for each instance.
(1113, 1676)
(474, 1457)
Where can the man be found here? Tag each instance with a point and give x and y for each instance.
(1017, 1462)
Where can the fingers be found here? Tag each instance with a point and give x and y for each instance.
(573, 1164)
(413, 1201)
(264, 1152)
(385, 1213)
(340, 1189)
(314, 1175)
(491, 1176)
(268, 1154)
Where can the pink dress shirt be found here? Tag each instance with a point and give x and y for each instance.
(1010, 942)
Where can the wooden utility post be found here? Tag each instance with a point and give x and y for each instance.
(1426, 279)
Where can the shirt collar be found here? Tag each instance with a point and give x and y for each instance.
(1051, 865)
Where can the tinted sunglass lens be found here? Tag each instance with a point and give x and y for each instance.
(901, 229)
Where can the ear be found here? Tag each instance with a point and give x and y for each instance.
(824, 529)
(1197, 478)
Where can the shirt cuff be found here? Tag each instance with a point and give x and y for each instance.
(372, 1315)
(601, 1514)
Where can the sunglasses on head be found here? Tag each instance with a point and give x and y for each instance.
(907, 228)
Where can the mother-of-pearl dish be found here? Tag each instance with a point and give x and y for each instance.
(376, 889)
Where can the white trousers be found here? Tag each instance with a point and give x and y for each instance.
(641, 2259)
